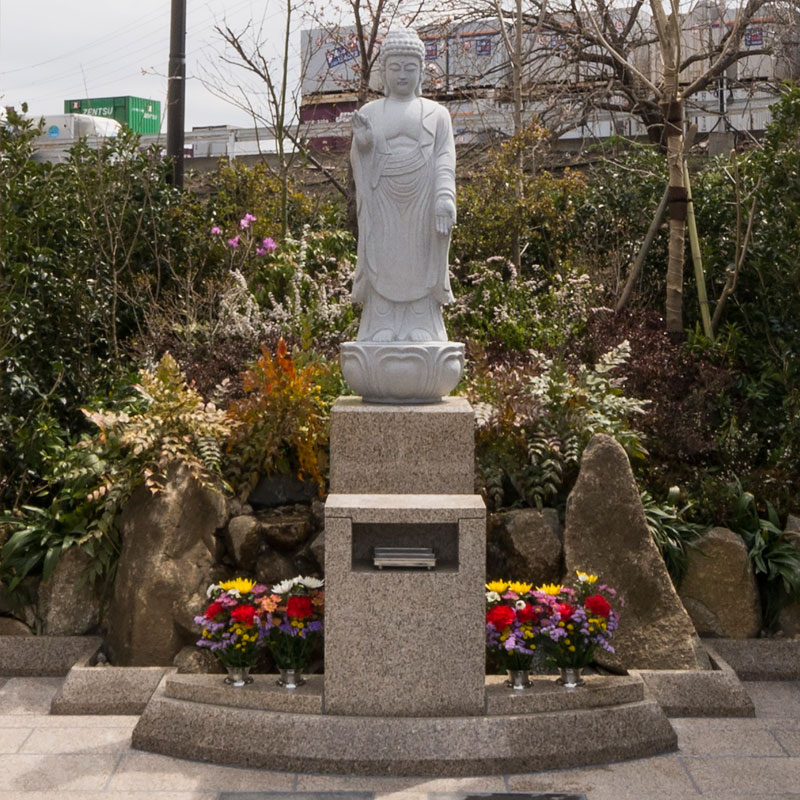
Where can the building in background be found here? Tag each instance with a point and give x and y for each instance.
(468, 70)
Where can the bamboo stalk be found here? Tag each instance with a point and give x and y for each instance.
(643, 251)
(697, 258)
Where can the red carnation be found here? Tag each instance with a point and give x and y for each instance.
(500, 616)
(565, 611)
(598, 605)
(213, 610)
(527, 614)
(299, 607)
(243, 614)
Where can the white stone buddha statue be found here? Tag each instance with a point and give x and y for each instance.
(403, 157)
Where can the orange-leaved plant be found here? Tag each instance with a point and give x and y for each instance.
(280, 426)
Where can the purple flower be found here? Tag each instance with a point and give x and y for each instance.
(269, 244)
(216, 231)
(245, 221)
(234, 243)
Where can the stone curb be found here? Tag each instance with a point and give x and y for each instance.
(407, 746)
(699, 693)
(760, 659)
(89, 689)
(44, 656)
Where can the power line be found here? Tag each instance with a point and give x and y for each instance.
(131, 53)
(113, 35)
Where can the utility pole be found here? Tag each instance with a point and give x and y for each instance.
(176, 90)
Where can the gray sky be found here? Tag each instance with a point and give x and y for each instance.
(53, 50)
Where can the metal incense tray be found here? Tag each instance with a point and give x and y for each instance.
(404, 557)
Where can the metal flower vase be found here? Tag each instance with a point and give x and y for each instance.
(238, 677)
(518, 679)
(291, 678)
(570, 677)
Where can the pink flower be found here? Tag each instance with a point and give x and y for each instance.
(216, 230)
(234, 243)
(269, 244)
(245, 221)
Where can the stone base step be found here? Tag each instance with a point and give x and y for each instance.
(412, 746)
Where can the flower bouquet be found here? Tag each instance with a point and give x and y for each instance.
(512, 626)
(292, 615)
(232, 627)
(576, 620)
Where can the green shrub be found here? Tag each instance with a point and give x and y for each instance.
(672, 532)
(166, 422)
(775, 560)
(534, 420)
(281, 424)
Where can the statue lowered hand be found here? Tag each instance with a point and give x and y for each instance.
(445, 215)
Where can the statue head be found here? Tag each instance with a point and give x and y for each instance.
(400, 47)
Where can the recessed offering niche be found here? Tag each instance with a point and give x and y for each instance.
(442, 537)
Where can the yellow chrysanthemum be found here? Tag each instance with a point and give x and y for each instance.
(585, 577)
(497, 586)
(519, 587)
(243, 585)
(550, 588)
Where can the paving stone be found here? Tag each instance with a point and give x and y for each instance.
(47, 772)
(662, 777)
(46, 721)
(790, 742)
(12, 739)
(79, 795)
(148, 772)
(28, 695)
(775, 699)
(78, 740)
(759, 776)
(747, 737)
(296, 796)
(490, 783)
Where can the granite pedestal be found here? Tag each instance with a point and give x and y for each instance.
(387, 449)
(409, 642)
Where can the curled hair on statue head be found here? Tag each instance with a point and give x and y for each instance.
(403, 42)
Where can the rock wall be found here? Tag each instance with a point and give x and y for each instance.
(177, 543)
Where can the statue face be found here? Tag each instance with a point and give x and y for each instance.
(401, 75)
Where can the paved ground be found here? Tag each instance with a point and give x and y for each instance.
(90, 758)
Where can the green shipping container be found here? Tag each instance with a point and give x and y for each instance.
(139, 114)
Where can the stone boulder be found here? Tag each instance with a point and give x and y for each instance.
(196, 660)
(68, 604)
(525, 544)
(719, 590)
(606, 533)
(789, 617)
(243, 539)
(285, 529)
(166, 564)
(272, 568)
(10, 626)
(282, 490)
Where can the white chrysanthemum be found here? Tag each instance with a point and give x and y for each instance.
(211, 589)
(284, 586)
(233, 593)
(519, 605)
(309, 583)
(492, 597)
